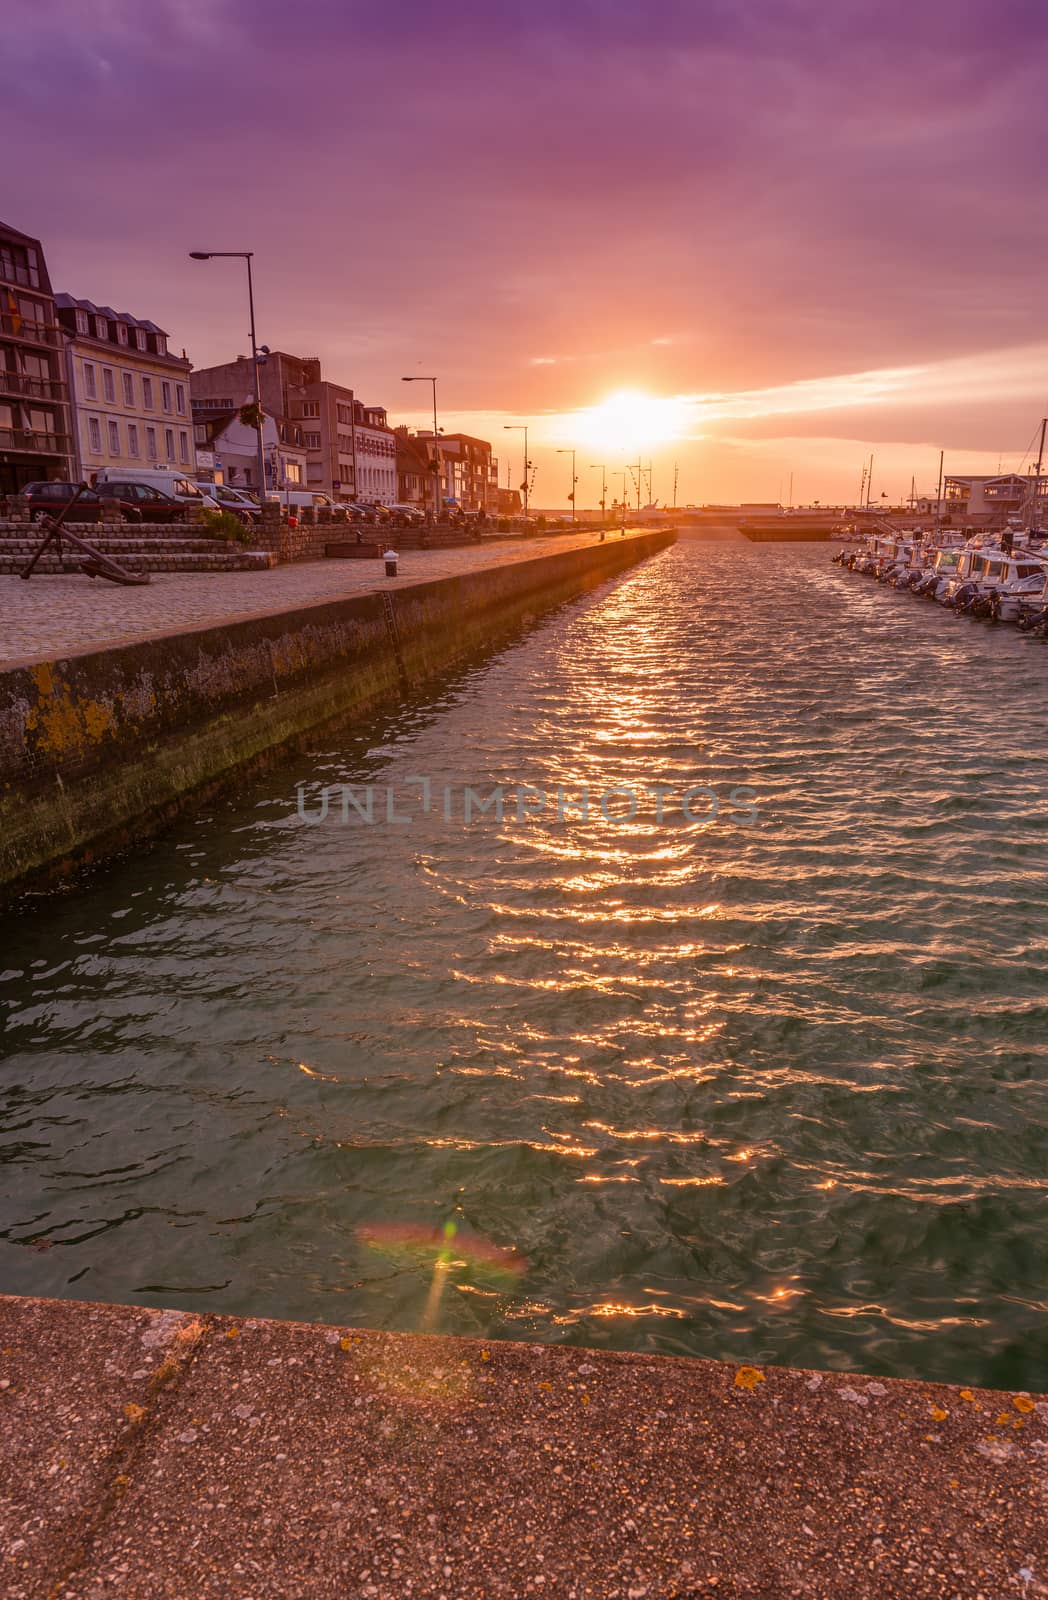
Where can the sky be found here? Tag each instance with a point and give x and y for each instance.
(754, 240)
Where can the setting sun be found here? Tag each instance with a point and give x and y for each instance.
(631, 420)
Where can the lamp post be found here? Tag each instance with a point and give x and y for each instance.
(599, 466)
(436, 444)
(245, 255)
(574, 479)
(521, 427)
(623, 475)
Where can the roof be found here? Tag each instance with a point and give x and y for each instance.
(17, 235)
(68, 302)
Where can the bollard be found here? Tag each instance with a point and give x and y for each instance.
(390, 558)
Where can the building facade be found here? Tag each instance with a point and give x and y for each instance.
(350, 449)
(130, 395)
(227, 449)
(468, 471)
(35, 420)
(1009, 494)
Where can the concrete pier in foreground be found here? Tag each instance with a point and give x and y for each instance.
(119, 707)
(161, 1455)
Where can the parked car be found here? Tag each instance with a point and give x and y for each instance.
(152, 504)
(359, 512)
(49, 499)
(235, 501)
(406, 513)
(176, 484)
(295, 500)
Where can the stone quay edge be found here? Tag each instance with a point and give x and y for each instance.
(161, 1454)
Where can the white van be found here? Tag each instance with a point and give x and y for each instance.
(304, 500)
(168, 479)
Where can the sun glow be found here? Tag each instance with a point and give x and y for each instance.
(631, 420)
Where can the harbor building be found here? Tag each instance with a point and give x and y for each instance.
(350, 449)
(227, 448)
(468, 470)
(129, 393)
(35, 422)
(982, 497)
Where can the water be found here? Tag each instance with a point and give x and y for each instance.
(768, 1091)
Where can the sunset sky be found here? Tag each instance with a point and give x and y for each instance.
(801, 230)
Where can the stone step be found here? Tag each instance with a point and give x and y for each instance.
(229, 559)
(12, 545)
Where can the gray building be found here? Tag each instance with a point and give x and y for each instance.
(350, 449)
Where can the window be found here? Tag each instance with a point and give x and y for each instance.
(311, 408)
(41, 421)
(94, 435)
(121, 333)
(292, 472)
(129, 388)
(90, 381)
(141, 342)
(101, 328)
(161, 345)
(132, 438)
(108, 386)
(183, 447)
(312, 441)
(200, 433)
(114, 439)
(344, 416)
(169, 443)
(83, 323)
(147, 393)
(180, 399)
(165, 396)
(151, 443)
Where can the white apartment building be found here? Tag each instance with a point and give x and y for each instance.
(376, 456)
(129, 395)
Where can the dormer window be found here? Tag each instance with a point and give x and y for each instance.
(101, 328)
(140, 339)
(161, 345)
(121, 333)
(83, 324)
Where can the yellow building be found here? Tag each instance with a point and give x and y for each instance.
(129, 394)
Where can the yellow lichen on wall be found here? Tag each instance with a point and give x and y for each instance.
(61, 724)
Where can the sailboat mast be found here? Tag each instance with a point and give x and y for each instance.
(1037, 475)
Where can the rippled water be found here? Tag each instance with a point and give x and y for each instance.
(770, 1090)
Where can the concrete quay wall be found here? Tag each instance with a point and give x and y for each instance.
(100, 748)
(157, 1455)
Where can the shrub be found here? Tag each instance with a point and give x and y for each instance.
(224, 525)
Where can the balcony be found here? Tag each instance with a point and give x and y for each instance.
(31, 443)
(33, 388)
(13, 326)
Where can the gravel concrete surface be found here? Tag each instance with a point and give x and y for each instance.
(166, 1456)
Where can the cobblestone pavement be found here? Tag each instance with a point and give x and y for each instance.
(51, 617)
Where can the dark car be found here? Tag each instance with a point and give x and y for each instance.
(51, 499)
(151, 504)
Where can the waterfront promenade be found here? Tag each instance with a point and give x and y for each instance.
(50, 616)
(161, 1454)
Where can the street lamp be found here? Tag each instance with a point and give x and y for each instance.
(436, 444)
(245, 255)
(599, 466)
(521, 427)
(574, 479)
